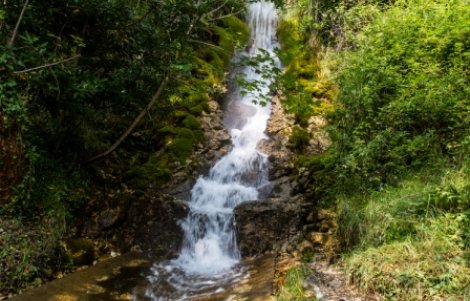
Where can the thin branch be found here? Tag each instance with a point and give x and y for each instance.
(216, 9)
(208, 44)
(136, 122)
(226, 16)
(15, 31)
(146, 110)
(48, 65)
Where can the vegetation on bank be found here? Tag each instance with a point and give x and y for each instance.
(398, 169)
(74, 77)
(391, 77)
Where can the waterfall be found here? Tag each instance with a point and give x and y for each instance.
(210, 253)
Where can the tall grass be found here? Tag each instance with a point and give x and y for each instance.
(412, 241)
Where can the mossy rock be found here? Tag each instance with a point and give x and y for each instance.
(206, 73)
(184, 133)
(290, 38)
(191, 122)
(211, 55)
(198, 109)
(299, 139)
(79, 251)
(181, 148)
(239, 29)
(155, 170)
(169, 129)
(198, 135)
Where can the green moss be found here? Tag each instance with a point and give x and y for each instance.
(155, 170)
(291, 40)
(180, 148)
(206, 73)
(197, 110)
(226, 42)
(239, 30)
(168, 130)
(299, 139)
(211, 55)
(191, 122)
(302, 82)
(232, 35)
(198, 135)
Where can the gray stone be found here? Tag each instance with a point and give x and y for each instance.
(266, 225)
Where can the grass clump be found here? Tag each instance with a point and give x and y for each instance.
(431, 265)
(411, 241)
(292, 289)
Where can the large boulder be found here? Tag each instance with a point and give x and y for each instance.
(270, 225)
(147, 223)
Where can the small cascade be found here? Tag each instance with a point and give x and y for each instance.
(209, 257)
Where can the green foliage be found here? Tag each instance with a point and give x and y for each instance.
(304, 85)
(79, 73)
(404, 93)
(398, 167)
(154, 171)
(28, 251)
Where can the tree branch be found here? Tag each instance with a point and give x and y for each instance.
(218, 8)
(208, 44)
(136, 122)
(48, 65)
(226, 16)
(15, 31)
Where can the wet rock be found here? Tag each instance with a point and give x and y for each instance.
(268, 225)
(280, 156)
(153, 226)
(79, 251)
(329, 282)
(217, 142)
(148, 222)
(305, 245)
(111, 217)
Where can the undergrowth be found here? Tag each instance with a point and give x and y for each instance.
(398, 170)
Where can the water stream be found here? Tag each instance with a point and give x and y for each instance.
(208, 261)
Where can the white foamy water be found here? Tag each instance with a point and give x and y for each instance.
(210, 253)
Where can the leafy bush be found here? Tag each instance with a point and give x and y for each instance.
(398, 166)
(404, 94)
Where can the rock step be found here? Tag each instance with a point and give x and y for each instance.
(111, 279)
(121, 277)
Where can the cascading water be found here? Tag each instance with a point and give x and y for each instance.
(210, 253)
